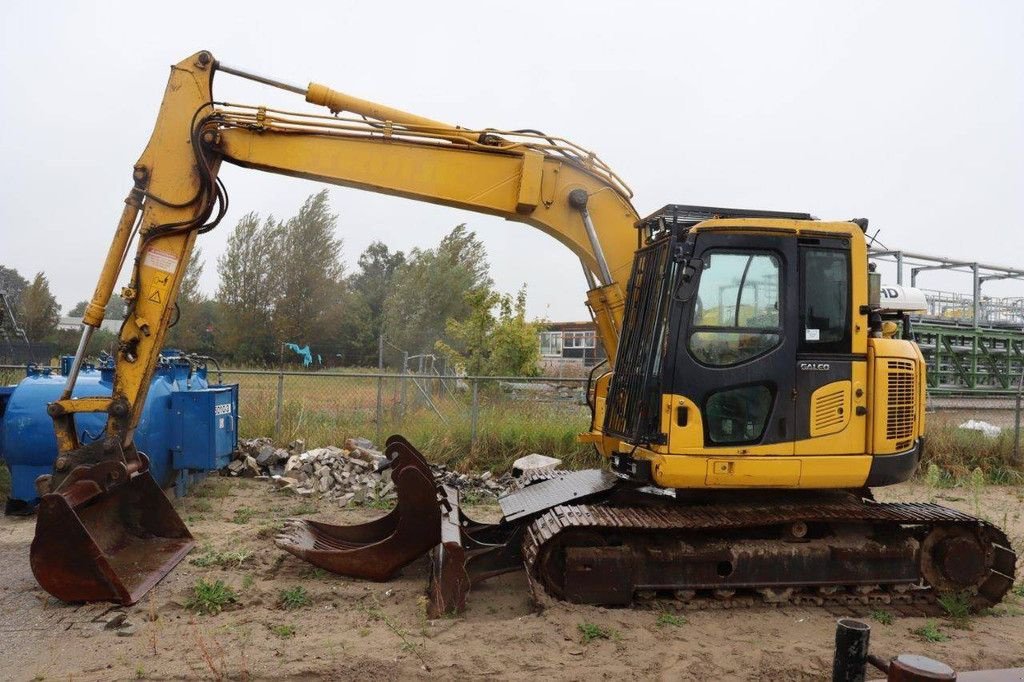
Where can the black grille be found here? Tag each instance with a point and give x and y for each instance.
(633, 410)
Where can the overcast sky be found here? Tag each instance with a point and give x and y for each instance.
(908, 113)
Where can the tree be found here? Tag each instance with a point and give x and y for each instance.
(248, 289)
(311, 275)
(39, 310)
(502, 345)
(434, 286)
(363, 316)
(13, 284)
(116, 309)
(196, 321)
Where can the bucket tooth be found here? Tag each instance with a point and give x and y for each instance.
(97, 541)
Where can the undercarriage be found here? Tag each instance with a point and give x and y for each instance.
(590, 537)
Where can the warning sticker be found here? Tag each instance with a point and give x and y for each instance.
(161, 260)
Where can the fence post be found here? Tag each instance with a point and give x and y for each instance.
(1016, 434)
(405, 370)
(380, 385)
(473, 418)
(280, 397)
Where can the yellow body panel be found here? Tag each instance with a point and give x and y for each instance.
(700, 471)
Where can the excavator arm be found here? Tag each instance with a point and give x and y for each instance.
(524, 176)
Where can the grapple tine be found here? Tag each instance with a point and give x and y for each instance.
(101, 541)
(449, 577)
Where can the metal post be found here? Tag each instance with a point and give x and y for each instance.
(380, 385)
(405, 370)
(1016, 432)
(473, 415)
(899, 268)
(280, 397)
(977, 293)
(851, 654)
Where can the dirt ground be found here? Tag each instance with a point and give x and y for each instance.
(359, 630)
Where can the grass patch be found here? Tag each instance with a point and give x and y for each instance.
(958, 608)
(5, 480)
(283, 631)
(667, 619)
(210, 598)
(211, 557)
(294, 598)
(248, 581)
(216, 488)
(958, 452)
(243, 515)
(1018, 589)
(307, 507)
(591, 631)
(269, 530)
(930, 632)
(882, 616)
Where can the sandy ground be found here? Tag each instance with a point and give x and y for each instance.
(360, 630)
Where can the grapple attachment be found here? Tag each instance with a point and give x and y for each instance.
(427, 518)
(378, 549)
(108, 533)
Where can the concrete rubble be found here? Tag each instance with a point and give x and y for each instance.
(347, 475)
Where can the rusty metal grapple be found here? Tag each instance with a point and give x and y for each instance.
(590, 537)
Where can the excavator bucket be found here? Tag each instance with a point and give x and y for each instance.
(427, 518)
(107, 535)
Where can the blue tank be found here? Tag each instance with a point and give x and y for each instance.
(187, 426)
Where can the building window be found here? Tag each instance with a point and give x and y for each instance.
(582, 339)
(551, 344)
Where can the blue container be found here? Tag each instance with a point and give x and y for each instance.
(186, 426)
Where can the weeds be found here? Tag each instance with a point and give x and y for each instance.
(930, 632)
(307, 507)
(243, 515)
(589, 632)
(957, 452)
(269, 530)
(248, 581)
(210, 598)
(377, 613)
(216, 488)
(958, 608)
(283, 631)
(211, 557)
(671, 619)
(140, 672)
(294, 598)
(1018, 589)
(882, 616)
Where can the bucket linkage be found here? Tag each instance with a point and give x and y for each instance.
(427, 518)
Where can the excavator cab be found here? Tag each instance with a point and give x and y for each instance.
(750, 356)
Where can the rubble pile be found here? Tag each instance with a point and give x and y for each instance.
(349, 474)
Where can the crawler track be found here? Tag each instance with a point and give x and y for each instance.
(843, 553)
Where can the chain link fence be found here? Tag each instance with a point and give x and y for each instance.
(452, 416)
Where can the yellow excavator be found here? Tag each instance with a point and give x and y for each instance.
(757, 390)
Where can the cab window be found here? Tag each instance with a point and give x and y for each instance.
(825, 305)
(736, 311)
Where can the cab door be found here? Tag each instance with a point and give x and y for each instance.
(736, 344)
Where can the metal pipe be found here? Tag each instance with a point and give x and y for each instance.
(578, 200)
(266, 80)
(76, 364)
(851, 653)
(977, 293)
